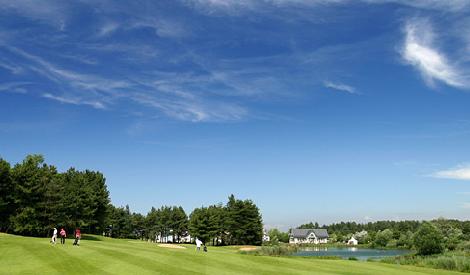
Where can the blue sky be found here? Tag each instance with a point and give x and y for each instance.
(317, 110)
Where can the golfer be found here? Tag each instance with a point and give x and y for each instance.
(54, 236)
(77, 237)
(198, 244)
(62, 236)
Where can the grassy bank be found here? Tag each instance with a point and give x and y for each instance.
(23, 255)
(458, 261)
(273, 250)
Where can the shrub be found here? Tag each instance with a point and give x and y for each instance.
(383, 237)
(428, 240)
(441, 262)
(273, 241)
(464, 246)
(273, 250)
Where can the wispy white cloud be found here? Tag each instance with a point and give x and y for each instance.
(419, 51)
(14, 69)
(205, 90)
(14, 87)
(83, 59)
(466, 205)
(461, 172)
(234, 6)
(340, 87)
(51, 11)
(132, 52)
(163, 27)
(193, 110)
(75, 101)
(179, 96)
(216, 92)
(229, 6)
(80, 80)
(453, 5)
(168, 28)
(108, 28)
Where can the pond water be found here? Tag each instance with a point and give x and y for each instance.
(346, 252)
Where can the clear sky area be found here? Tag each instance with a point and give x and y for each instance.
(316, 110)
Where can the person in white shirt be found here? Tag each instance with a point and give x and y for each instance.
(198, 244)
(54, 236)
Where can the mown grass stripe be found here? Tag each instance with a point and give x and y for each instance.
(150, 263)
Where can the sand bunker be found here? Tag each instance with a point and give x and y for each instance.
(169, 245)
(248, 248)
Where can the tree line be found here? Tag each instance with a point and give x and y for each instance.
(236, 222)
(159, 222)
(35, 197)
(427, 237)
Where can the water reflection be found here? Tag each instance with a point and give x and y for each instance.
(347, 252)
(315, 248)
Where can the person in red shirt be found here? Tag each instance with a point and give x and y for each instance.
(77, 237)
(63, 235)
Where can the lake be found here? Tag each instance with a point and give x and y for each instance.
(346, 252)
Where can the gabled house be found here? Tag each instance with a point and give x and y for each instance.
(315, 236)
(352, 241)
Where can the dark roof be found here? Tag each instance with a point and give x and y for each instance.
(303, 233)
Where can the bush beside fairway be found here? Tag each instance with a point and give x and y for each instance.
(26, 255)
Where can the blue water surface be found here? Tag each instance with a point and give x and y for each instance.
(356, 252)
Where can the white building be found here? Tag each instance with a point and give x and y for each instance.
(314, 236)
(160, 238)
(352, 241)
(169, 238)
(186, 239)
(266, 237)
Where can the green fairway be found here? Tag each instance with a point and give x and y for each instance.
(24, 255)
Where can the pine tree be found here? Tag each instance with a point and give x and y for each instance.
(243, 222)
(217, 223)
(151, 225)
(7, 206)
(99, 200)
(199, 224)
(31, 179)
(179, 222)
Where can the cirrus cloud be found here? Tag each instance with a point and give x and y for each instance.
(74, 101)
(461, 172)
(340, 87)
(419, 50)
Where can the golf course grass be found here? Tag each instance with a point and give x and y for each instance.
(98, 255)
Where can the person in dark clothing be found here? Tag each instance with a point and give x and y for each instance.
(63, 235)
(77, 237)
